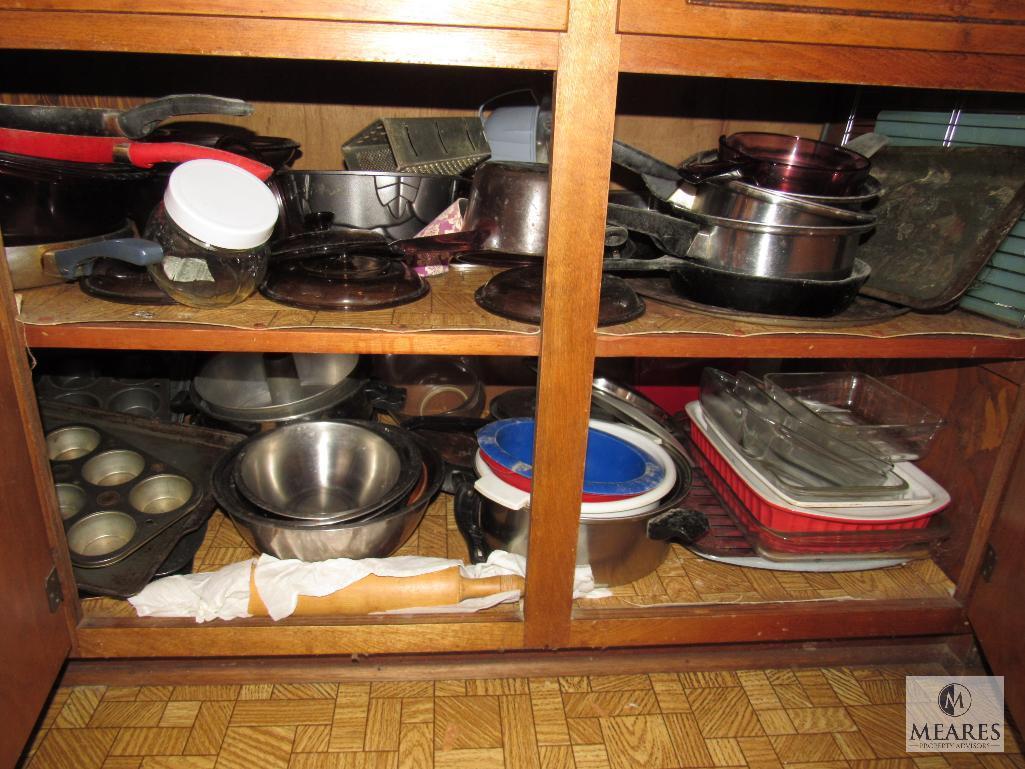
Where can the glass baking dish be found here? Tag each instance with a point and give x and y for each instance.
(859, 410)
(779, 545)
(807, 464)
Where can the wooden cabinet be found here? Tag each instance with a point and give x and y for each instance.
(587, 44)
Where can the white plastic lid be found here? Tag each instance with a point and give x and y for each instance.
(220, 204)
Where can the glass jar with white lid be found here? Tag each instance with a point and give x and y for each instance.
(213, 224)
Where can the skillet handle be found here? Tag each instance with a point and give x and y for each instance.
(679, 524)
(139, 121)
(671, 233)
(467, 506)
(75, 262)
(146, 155)
(641, 162)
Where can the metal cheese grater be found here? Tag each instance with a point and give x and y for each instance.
(437, 146)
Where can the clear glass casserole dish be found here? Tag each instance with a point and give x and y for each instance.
(860, 410)
(808, 464)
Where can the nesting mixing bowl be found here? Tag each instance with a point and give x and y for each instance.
(328, 472)
(375, 536)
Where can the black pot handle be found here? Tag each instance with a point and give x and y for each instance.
(182, 403)
(641, 162)
(679, 524)
(467, 506)
(673, 234)
(385, 397)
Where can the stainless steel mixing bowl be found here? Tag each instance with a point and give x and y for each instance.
(328, 471)
(375, 537)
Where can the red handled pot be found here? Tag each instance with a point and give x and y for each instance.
(103, 149)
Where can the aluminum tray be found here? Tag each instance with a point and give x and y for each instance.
(943, 213)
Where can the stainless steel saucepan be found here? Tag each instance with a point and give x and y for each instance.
(772, 251)
(735, 226)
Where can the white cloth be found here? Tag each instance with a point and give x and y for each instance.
(221, 594)
(224, 594)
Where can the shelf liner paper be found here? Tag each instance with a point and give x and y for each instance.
(448, 307)
(663, 319)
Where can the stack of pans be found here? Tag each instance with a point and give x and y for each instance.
(328, 489)
(739, 243)
(247, 390)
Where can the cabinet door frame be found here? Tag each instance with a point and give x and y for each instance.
(39, 633)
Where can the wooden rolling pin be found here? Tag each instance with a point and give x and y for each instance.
(372, 593)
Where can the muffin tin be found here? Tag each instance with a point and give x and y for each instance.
(113, 496)
(147, 398)
(184, 450)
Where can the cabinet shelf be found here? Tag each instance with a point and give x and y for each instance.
(675, 332)
(446, 321)
(704, 601)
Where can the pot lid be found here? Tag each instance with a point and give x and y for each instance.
(349, 267)
(325, 242)
(329, 287)
(118, 281)
(516, 294)
(636, 410)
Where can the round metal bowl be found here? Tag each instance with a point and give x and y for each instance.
(376, 537)
(256, 387)
(329, 471)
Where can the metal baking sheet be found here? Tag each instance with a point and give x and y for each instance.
(942, 214)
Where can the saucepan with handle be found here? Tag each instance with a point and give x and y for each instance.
(741, 228)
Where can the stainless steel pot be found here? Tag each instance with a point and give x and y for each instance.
(251, 388)
(618, 549)
(748, 248)
(507, 213)
(743, 228)
(777, 251)
(734, 199)
(375, 537)
(509, 204)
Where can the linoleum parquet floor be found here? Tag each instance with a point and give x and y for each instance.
(814, 718)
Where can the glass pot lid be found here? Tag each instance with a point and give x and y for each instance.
(516, 294)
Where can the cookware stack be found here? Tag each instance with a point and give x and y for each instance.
(815, 465)
(630, 505)
(328, 489)
(768, 223)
